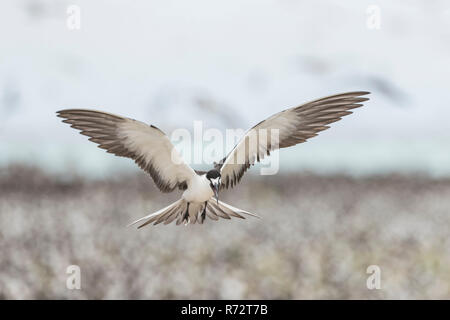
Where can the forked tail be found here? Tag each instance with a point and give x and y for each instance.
(189, 212)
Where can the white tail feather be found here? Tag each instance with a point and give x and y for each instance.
(238, 210)
(159, 212)
(196, 213)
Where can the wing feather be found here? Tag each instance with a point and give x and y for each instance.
(147, 145)
(294, 126)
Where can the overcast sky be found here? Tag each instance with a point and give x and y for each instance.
(230, 64)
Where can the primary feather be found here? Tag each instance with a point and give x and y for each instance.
(294, 125)
(147, 145)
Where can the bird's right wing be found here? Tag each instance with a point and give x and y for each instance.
(147, 145)
(291, 126)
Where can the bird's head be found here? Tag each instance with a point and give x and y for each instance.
(214, 181)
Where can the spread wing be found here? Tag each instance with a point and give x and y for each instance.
(289, 127)
(147, 145)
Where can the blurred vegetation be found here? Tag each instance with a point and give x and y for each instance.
(316, 239)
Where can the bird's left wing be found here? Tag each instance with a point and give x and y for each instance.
(285, 129)
(147, 145)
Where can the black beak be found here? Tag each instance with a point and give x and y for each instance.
(216, 192)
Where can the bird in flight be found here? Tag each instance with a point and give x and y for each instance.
(153, 152)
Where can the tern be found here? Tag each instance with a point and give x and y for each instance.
(153, 152)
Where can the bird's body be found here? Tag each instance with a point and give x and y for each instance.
(198, 190)
(153, 152)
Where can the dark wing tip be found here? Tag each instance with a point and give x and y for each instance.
(69, 110)
(355, 93)
(362, 93)
(65, 113)
(59, 113)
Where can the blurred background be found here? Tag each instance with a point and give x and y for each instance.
(372, 190)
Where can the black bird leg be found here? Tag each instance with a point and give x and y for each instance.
(203, 216)
(186, 215)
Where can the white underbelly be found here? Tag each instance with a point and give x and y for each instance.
(198, 191)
